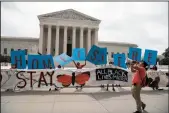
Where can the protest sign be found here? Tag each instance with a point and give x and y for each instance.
(135, 54)
(150, 56)
(97, 55)
(111, 74)
(103, 54)
(63, 59)
(18, 59)
(78, 54)
(34, 62)
(119, 60)
(40, 62)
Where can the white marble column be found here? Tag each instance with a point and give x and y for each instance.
(65, 40)
(96, 36)
(57, 41)
(49, 39)
(88, 39)
(81, 37)
(73, 38)
(41, 39)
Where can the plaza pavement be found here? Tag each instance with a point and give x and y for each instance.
(89, 100)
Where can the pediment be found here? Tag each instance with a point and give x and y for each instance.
(69, 14)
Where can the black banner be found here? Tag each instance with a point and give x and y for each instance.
(111, 74)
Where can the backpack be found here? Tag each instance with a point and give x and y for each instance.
(144, 81)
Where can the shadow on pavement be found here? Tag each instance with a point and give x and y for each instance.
(100, 96)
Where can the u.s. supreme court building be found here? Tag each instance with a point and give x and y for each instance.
(62, 31)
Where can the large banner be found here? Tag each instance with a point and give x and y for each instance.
(21, 80)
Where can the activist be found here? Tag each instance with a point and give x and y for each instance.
(138, 81)
(154, 68)
(78, 65)
(111, 66)
(13, 66)
(60, 67)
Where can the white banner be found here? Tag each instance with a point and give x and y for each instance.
(21, 80)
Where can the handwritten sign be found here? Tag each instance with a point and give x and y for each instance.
(97, 55)
(135, 54)
(150, 56)
(156, 73)
(18, 59)
(34, 62)
(119, 60)
(111, 74)
(79, 54)
(40, 62)
(63, 59)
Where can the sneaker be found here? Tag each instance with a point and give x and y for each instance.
(137, 112)
(56, 89)
(143, 106)
(50, 89)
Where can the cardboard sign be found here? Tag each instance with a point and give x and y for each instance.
(111, 74)
(135, 54)
(63, 59)
(48, 61)
(78, 54)
(34, 62)
(119, 60)
(97, 55)
(150, 56)
(18, 59)
(40, 62)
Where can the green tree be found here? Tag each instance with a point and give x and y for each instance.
(165, 61)
(166, 53)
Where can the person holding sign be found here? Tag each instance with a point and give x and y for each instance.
(78, 54)
(13, 66)
(139, 73)
(78, 65)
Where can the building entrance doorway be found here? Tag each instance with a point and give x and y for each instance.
(69, 50)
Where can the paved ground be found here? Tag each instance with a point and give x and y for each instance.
(89, 100)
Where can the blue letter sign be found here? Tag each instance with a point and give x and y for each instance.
(18, 59)
(63, 59)
(40, 62)
(97, 55)
(150, 57)
(78, 54)
(119, 60)
(135, 54)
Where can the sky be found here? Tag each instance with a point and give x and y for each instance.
(141, 23)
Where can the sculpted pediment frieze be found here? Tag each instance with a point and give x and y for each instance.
(70, 14)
